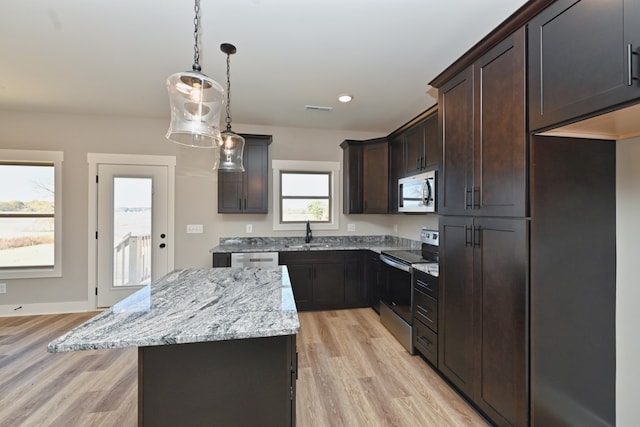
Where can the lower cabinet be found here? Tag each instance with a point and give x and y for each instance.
(482, 339)
(373, 279)
(325, 280)
(425, 320)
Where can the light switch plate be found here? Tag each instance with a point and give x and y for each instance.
(249, 228)
(195, 228)
(351, 227)
(3, 288)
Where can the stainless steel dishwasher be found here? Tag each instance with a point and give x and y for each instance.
(254, 259)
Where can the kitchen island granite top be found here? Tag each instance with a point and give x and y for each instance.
(190, 306)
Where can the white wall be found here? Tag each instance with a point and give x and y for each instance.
(196, 191)
(628, 282)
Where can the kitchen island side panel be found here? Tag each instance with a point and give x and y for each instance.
(246, 382)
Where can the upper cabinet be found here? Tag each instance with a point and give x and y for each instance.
(247, 192)
(483, 133)
(366, 176)
(421, 147)
(583, 59)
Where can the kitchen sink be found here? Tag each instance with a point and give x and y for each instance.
(308, 245)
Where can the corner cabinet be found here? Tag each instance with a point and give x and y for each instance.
(583, 59)
(483, 132)
(366, 176)
(247, 192)
(482, 313)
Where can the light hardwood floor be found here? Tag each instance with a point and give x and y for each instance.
(351, 373)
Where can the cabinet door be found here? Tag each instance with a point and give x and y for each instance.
(499, 187)
(256, 176)
(500, 280)
(414, 149)
(352, 194)
(230, 194)
(355, 286)
(301, 276)
(583, 58)
(457, 338)
(432, 146)
(373, 277)
(328, 285)
(396, 170)
(376, 178)
(455, 113)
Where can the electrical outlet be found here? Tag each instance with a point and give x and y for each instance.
(249, 228)
(351, 227)
(3, 288)
(395, 228)
(195, 228)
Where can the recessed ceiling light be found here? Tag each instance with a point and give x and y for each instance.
(344, 98)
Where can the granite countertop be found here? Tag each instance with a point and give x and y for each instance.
(193, 305)
(324, 243)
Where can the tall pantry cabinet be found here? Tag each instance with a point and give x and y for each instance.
(484, 232)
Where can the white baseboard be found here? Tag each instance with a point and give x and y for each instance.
(44, 308)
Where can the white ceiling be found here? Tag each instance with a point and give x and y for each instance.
(112, 56)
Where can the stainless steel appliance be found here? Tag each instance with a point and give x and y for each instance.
(254, 259)
(417, 193)
(396, 296)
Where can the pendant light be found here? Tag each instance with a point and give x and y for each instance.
(196, 102)
(232, 148)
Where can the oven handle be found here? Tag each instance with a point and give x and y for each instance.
(395, 264)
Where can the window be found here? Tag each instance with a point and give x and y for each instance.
(305, 190)
(30, 213)
(305, 196)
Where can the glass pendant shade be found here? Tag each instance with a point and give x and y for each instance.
(196, 106)
(231, 152)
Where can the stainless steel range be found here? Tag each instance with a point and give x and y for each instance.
(396, 297)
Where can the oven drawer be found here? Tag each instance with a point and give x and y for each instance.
(426, 342)
(425, 309)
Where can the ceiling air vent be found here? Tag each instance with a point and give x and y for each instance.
(317, 108)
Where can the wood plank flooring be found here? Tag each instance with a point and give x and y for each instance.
(352, 372)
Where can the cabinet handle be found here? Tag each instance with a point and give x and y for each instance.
(477, 236)
(467, 203)
(417, 162)
(476, 197)
(245, 204)
(467, 236)
(423, 309)
(425, 342)
(423, 163)
(239, 204)
(630, 54)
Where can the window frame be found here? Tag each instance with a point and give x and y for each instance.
(50, 158)
(302, 166)
(281, 197)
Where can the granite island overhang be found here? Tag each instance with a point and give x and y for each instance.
(215, 346)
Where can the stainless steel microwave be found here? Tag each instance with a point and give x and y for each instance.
(417, 193)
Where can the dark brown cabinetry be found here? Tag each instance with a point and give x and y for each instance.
(583, 59)
(483, 131)
(482, 346)
(221, 259)
(373, 279)
(422, 150)
(396, 170)
(356, 289)
(366, 178)
(425, 309)
(247, 192)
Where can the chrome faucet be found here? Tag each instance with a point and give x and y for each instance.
(309, 236)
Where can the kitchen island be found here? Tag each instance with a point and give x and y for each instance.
(215, 346)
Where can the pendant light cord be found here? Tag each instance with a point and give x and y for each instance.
(228, 119)
(196, 35)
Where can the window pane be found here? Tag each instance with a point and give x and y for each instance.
(305, 184)
(297, 210)
(132, 198)
(31, 190)
(27, 241)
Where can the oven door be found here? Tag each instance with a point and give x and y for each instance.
(396, 288)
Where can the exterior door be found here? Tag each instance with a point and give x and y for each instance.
(132, 226)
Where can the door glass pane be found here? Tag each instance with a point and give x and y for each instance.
(132, 231)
